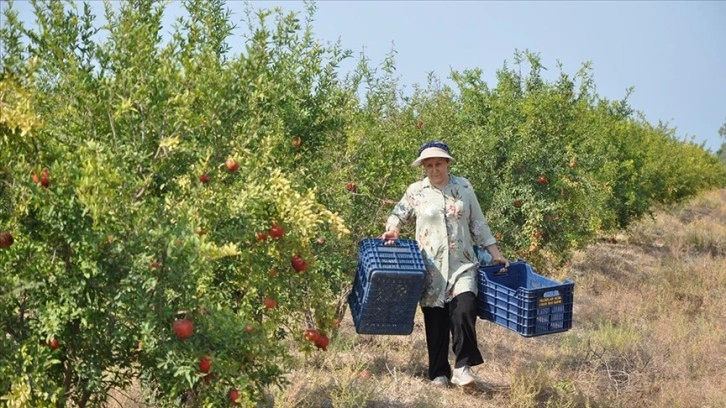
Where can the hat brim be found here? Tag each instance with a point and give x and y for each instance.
(430, 153)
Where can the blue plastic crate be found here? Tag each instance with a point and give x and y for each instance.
(523, 301)
(388, 285)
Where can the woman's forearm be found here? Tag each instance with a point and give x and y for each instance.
(495, 253)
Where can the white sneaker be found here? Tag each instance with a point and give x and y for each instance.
(440, 381)
(463, 376)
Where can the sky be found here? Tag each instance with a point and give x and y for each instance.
(671, 53)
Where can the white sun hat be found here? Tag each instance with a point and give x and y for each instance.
(430, 150)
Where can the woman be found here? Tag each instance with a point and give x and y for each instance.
(449, 222)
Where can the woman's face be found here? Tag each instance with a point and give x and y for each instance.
(437, 169)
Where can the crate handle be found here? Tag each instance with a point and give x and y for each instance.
(552, 293)
(502, 271)
(395, 247)
(383, 242)
(557, 291)
(499, 271)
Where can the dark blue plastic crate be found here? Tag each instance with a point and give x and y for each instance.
(388, 285)
(523, 301)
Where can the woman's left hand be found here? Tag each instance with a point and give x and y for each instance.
(498, 258)
(501, 261)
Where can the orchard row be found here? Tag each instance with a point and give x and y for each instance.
(154, 192)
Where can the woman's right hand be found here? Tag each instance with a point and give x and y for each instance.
(389, 237)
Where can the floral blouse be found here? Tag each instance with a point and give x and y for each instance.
(449, 223)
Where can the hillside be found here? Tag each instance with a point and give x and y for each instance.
(648, 330)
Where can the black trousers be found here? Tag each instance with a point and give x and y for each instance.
(458, 320)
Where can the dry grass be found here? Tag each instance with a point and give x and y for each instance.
(648, 331)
